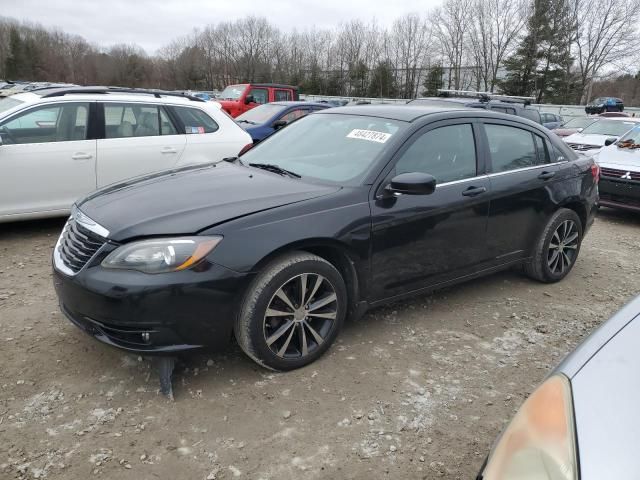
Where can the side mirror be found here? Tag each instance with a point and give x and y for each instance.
(279, 124)
(610, 141)
(249, 99)
(0, 140)
(414, 183)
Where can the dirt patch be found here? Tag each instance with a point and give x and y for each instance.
(417, 389)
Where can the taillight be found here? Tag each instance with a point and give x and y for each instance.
(595, 172)
(245, 149)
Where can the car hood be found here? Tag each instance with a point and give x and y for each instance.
(588, 139)
(188, 200)
(605, 384)
(619, 158)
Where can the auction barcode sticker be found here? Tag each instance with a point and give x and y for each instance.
(370, 135)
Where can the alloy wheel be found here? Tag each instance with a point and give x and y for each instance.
(300, 315)
(563, 247)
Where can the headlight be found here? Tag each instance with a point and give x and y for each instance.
(161, 255)
(539, 443)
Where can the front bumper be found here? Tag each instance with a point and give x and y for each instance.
(619, 193)
(153, 314)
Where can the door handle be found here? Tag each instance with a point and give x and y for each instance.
(473, 191)
(169, 150)
(81, 156)
(546, 175)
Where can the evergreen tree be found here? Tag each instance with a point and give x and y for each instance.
(382, 82)
(541, 65)
(434, 81)
(16, 60)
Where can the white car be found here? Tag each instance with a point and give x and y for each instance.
(57, 145)
(600, 133)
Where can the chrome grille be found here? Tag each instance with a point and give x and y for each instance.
(622, 174)
(581, 147)
(77, 246)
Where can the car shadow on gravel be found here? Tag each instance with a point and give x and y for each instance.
(622, 216)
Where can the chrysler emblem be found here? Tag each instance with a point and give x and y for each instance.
(626, 176)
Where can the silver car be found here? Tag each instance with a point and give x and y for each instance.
(582, 422)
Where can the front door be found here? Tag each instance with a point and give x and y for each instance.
(139, 138)
(423, 240)
(46, 160)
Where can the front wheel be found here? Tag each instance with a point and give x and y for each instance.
(557, 248)
(292, 311)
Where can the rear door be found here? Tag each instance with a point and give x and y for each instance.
(522, 176)
(47, 158)
(138, 138)
(423, 240)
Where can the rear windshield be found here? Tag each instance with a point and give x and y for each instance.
(614, 128)
(531, 114)
(260, 114)
(8, 103)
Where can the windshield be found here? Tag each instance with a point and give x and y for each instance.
(330, 147)
(232, 92)
(631, 139)
(8, 103)
(614, 128)
(599, 100)
(260, 114)
(579, 122)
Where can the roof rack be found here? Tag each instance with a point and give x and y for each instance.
(485, 96)
(62, 91)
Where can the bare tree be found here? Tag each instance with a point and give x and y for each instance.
(495, 28)
(451, 23)
(606, 35)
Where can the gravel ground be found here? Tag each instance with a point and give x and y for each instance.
(418, 389)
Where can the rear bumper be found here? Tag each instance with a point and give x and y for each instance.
(623, 194)
(153, 314)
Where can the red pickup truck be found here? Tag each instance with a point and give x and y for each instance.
(237, 99)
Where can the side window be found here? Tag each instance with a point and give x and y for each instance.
(260, 95)
(64, 122)
(541, 150)
(283, 95)
(294, 115)
(124, 120)
(195, 120)
(511, 148)
(531, 114)
(448, 153)
(510, 111)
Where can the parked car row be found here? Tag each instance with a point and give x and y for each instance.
(11, 88)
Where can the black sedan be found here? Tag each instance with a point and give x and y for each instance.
(343, 210)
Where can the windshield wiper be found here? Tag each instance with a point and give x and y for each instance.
(233, 160)
(246, 121)
(270, 167)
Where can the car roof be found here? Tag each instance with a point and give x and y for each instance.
(294, 103)
(404, 113)
(617, 119)
(40, 96)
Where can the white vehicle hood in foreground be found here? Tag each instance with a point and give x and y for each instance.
(619, 158)
(605, 394)
(589, 139)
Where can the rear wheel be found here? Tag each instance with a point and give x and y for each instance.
(557, 248)
(292, 312)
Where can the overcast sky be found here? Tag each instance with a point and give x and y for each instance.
(153, 23)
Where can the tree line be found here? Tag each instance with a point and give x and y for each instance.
(558, 51)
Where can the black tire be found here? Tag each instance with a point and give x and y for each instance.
(543, 265)
(284, 276)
